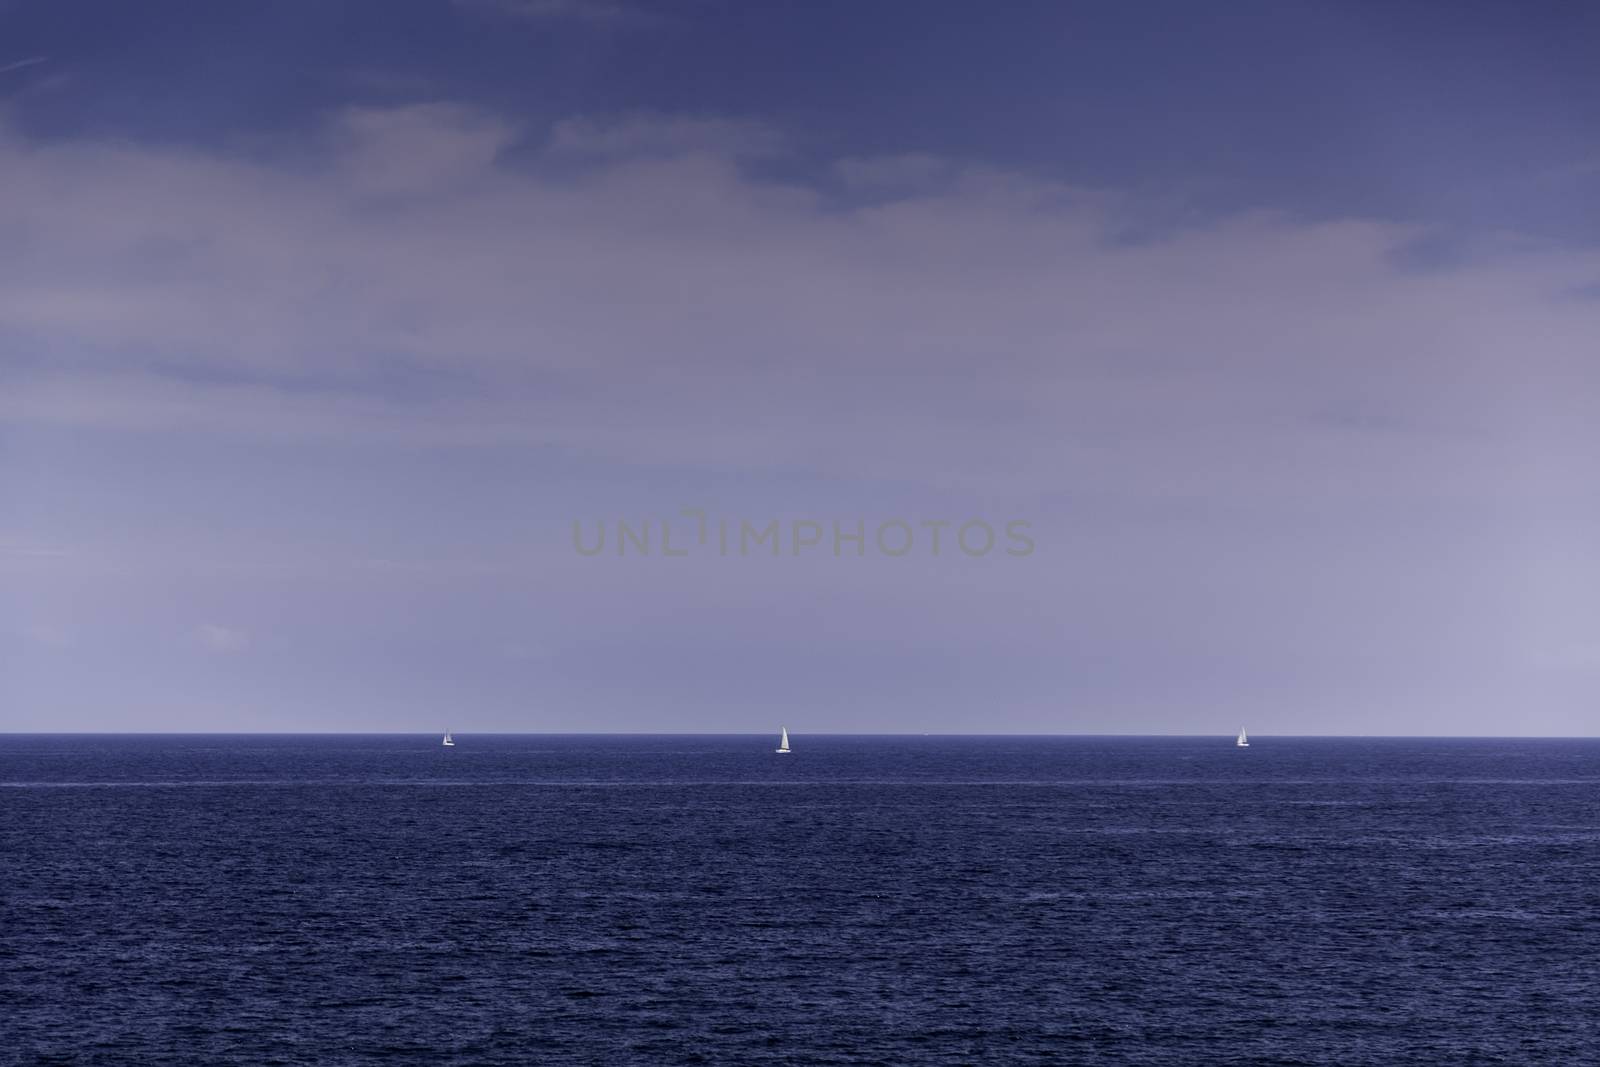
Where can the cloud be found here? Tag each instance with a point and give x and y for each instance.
(664, 306)
(898, 174)
(218, 638)
(417, 149)
(636, 136)
(48, 634)
(21, 549)
(20, 64)
(1266, 455)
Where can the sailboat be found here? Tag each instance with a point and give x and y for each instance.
(447, 741)
(1243, 742)
(783, 739)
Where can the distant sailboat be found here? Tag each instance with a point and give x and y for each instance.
(783, 739)
(448, 743)
(1243, 742)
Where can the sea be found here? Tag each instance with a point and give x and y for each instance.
(528, 899)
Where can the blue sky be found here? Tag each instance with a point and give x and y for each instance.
(320, 325)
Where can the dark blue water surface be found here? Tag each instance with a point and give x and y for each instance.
(907, 900)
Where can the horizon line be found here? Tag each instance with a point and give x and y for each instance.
(821, 733)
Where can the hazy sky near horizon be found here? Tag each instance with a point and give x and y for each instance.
(322, 323)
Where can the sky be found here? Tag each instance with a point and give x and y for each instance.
(332, 332)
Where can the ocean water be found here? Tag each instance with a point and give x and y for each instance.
(904, 900)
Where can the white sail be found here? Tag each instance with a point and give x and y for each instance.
(447, 739)
(1243, 742)
(783, 739)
